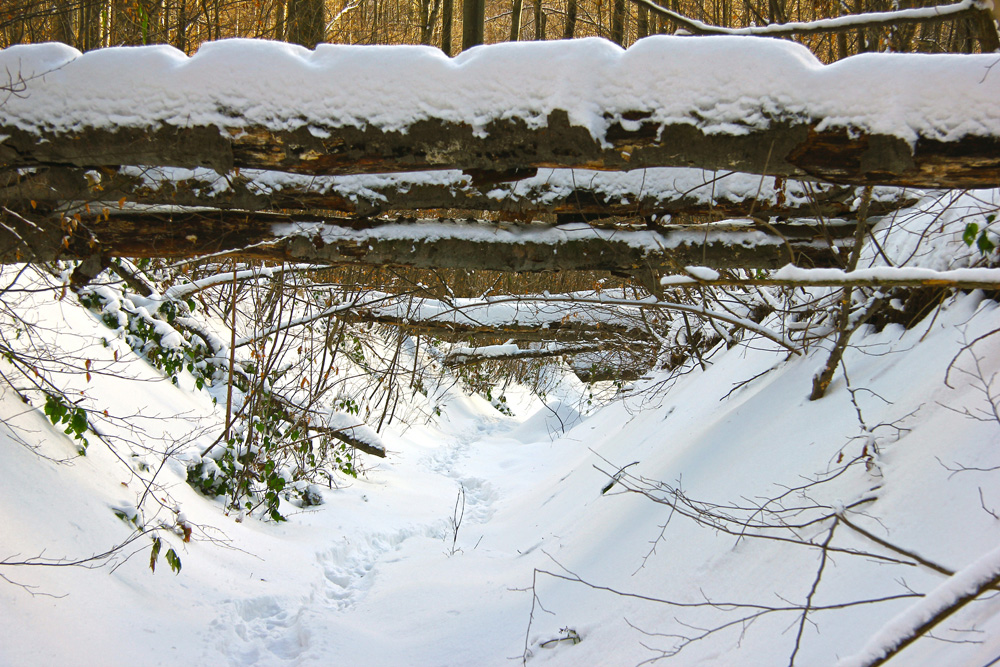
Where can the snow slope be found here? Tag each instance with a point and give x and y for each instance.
(378, 576)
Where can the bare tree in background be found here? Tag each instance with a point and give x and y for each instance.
(306, 22)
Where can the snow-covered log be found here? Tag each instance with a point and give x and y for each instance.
(524, 327)
(426, 244)
(735, 103)
(581, 192)
(461, 356)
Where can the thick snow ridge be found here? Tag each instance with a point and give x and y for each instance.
(725, 84)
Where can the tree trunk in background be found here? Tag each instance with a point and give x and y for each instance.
(447, 12)
(62, 23)
(428, 30)
(279, 20)
(776, 11)
(539, 20)
(570, 27)
(89, 27)
(515, 21)
(473, 22)
(425, 21)
(987, 29)
(618, 22)
(642, 22)
(180, 36)
(306, 22)
(862, 37)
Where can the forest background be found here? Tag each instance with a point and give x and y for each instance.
(90, 24)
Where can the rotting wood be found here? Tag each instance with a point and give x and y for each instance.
(477, 355)
(424, 244)
(794, 149)
(72, 188)
(559, 331)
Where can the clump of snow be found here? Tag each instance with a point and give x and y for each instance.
(354, 429)
(702, 273)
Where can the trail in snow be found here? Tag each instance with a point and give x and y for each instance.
(278, 629)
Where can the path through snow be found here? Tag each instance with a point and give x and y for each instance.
(412, 514)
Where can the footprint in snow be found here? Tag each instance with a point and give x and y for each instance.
(260, 630)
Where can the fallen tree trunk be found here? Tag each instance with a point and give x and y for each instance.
(496, 115)
(582, 193)
(464, 356)
(524, 329)
(793, 149)
(425, 244)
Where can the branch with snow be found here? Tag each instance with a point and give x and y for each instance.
(948, 12)
(883, 276)
(915, 622)
(184, 290)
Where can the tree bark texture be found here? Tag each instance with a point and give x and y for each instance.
(473, 23)
(783, 148)
(306, 22)
(48, 189)
(423, 244)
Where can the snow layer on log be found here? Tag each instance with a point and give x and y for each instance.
(724, 84)
(548, 186)
(730, 232)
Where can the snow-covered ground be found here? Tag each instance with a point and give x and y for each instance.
(542, 555)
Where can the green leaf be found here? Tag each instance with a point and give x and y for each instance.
(154, 554)
(174, 561)
(971, 230)
(984, 244)
(79, 421)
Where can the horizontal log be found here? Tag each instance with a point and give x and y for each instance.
(581, 193)
(803, 150)
(465, 356)
(426, 244)
(537, 331)
(493, 320)
(665, 102)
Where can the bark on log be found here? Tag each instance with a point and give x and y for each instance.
(588, 198)
(476, 355)
(794, 149)
(568, 331)
(426, 244)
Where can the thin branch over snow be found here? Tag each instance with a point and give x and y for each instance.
(915, 622)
